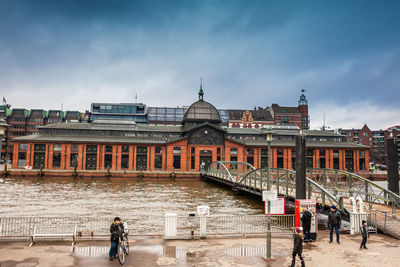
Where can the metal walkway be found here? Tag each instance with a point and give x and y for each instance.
(326, 186)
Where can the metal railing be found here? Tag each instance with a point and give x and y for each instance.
(345, 184)
(284, 182)
(248, 224)
(228, 170)
(91, 227)
(22, 227)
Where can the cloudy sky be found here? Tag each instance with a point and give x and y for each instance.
(346, 54)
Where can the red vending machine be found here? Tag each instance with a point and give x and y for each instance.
(311, 205)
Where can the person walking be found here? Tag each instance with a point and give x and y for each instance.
(306, 222)
(334, 222)
(364, 234)
(116, 229)
(297, 247)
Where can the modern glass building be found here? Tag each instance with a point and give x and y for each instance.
(136, 112)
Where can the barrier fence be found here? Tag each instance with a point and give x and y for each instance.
(91, 227)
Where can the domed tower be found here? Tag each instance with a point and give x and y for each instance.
(201, 112)
(303, 108)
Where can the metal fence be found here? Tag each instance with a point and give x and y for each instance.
(91, 227)
(22, 227)
(248, 224)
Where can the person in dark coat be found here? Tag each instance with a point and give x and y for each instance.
(306, 222)
(364, 234)
(334, 222)
(297, 247)
(116, 229)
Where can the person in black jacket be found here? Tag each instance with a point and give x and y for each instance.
(116, 229)
(334, 221)
(298, 247)
(306, 222)
(364, 234)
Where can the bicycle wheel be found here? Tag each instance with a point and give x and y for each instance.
(127, 246)
(121, 254)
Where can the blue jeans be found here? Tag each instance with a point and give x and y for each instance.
(307, 235)
(113, 250)
(331, 227)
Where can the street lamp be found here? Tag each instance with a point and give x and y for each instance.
(269, 140)
(3, 126)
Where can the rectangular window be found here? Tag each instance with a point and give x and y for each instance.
(250, 152)
(177, 161)
(109, 149)
(21, 159)
(192, 162)
(234, 158)
(74, 148)
(56, 160)
(158, 150)
(22, 147)
(264, 152)
(279, 152)
(362, 153)
(108, 161)
(125, 149)
(158, 162)
(322, 163)
(73, 160)
(336, 153)
(125, 161)
(279, 162)
(57, 148)
(234, 151)
(322, 152)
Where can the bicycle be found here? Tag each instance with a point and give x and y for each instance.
(123, 247)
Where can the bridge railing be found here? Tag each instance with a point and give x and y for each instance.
(345, 184)
(284, 181)
(228, 170)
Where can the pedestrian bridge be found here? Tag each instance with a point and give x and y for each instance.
(326, 186)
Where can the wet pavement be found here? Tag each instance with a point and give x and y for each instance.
(383, 251)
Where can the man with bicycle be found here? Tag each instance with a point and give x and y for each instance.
(116, 229)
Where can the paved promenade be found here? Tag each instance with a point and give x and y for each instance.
(383, 251)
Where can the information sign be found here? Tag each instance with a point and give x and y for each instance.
(277, 207)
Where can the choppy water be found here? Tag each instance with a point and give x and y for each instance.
(122, 197)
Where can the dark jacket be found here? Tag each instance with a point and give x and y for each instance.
(364, 232)
(306, 220)
(116, 230)
(334, 218)
(298, 244)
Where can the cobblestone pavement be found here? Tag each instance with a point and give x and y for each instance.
(382, 251)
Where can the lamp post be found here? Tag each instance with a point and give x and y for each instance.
(268, 245)
(3, 126)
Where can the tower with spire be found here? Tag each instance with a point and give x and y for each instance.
(201, 92)
(303, 108)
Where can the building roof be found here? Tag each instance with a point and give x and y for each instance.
(112, 125)
(202, 111)
(278, 109)
(284, 143)
(92, 139)
(258, 115)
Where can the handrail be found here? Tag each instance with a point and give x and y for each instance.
(326, 192)
(394, 195)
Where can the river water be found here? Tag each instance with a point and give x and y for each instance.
(146, 199)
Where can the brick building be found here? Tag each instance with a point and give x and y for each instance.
(23, 122)
(201, 138)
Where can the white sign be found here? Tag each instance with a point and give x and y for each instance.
(277, 207)
(203, 210)
(270, 195)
